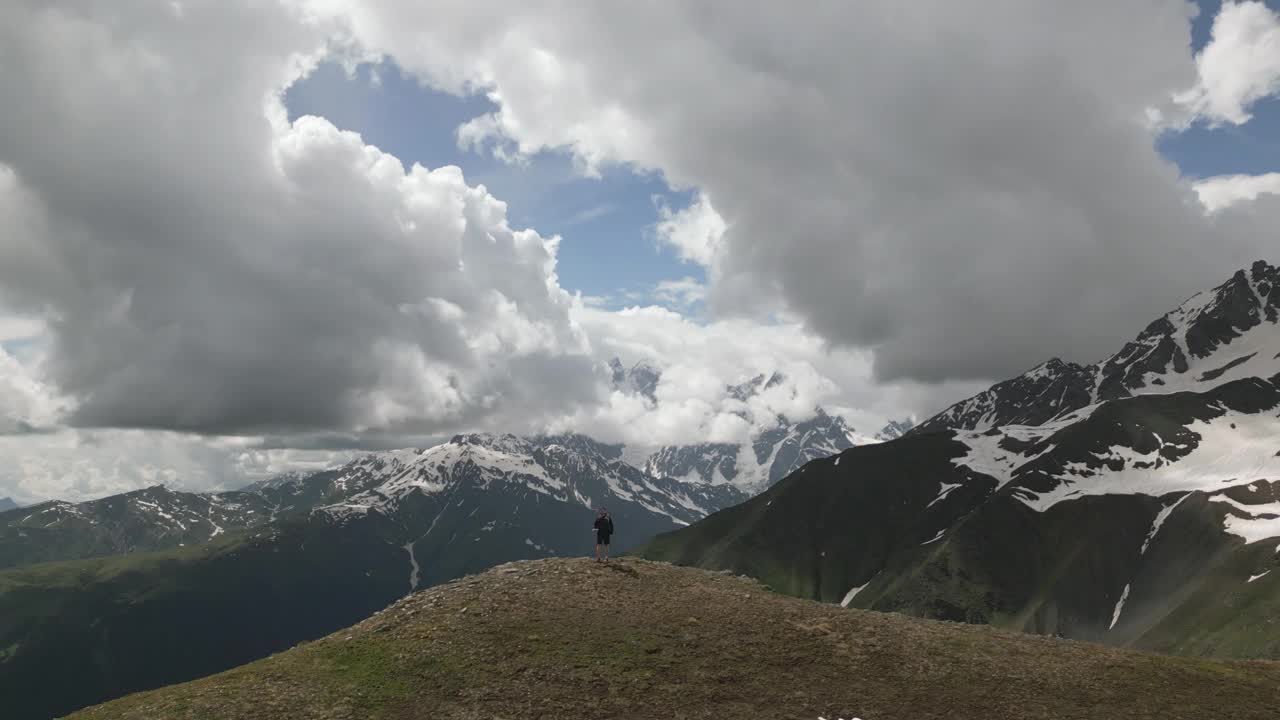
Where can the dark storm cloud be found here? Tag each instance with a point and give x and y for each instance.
(366, 442)
(966, 188)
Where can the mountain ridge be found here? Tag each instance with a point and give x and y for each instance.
(1149, 519)
(408, 519)
(768, 456)
(569, 637)
(1181, 343)
(157, 518)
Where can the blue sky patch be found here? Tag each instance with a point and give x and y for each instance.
(1203, 151)
(1250, 149)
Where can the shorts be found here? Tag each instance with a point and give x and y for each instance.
(602, 538)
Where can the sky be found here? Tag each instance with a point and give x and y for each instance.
(608, 250)
(240, 238)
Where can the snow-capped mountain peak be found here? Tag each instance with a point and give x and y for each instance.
(581, 444)
(642, 378)
(769, 456)
(1124, 502)
(749, 389)
(1212, 338)
(497, 442)
(276, 482)
(564, 468)
(895, 429)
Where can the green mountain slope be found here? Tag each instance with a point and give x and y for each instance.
(157, 518)
(77, 632)
(634, 639)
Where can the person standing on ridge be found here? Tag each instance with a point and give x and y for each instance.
(603, 528)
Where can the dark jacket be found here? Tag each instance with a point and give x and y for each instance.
(603, 526)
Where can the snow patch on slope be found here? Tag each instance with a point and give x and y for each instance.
(936, 538)
(987, 457)
(853, 592)
(1253, 523)
(943, 492)
(414, 569)
(1253, 354)
(1115, 615)
(1234, 449)
(1163, 515)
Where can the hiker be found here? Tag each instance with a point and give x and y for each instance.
(603, 528)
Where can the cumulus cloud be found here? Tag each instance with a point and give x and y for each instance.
(1239, 66)
(27, 404)
(1224, 191)
(964, 189)
(696, 232)
(683, 293)
(698, 359)
(78, 464)
(208, 266)
(903, 192)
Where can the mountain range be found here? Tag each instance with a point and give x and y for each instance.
(156, 518)
(1134, 502)
(683, 483)
(770, 455)
(194, 584)
(240, 574)
(753, 466)
(237, 575)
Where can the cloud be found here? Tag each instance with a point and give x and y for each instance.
(23, 352)
(698, 359)
(27, 404)
(1224, 191)
(963, 189)
(903, 192)
(696, 232)
(595, 212)
(207, 266)
(1238, 67)
(15, 328)
(77, 465)
(683, 293)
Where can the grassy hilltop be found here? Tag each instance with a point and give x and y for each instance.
(569, 638)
